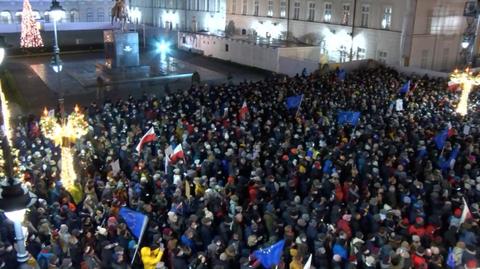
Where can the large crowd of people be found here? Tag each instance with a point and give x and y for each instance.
(374, 195)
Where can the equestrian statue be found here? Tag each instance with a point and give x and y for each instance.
(120, 13)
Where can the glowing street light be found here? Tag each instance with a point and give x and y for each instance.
(466, 80)
(64, 134)
(56, 12)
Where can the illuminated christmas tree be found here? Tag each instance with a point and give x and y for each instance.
(30, 37)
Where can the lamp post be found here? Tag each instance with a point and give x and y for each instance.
(56, 13)
(15, 198)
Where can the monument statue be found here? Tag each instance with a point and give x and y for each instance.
(120, 12)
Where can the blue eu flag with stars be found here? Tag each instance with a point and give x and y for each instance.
(271, 255)
(135, 221)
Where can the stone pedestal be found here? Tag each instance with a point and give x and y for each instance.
(122, 56)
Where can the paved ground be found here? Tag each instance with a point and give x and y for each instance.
(41, 87)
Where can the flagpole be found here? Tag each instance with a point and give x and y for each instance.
(144, 226)
(299, 105)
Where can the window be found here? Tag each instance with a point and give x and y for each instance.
(311, 11)
(343, 54)
(327, 13)
(255, 8)
(296, 11)
(5, 17)
(382, 56)
(443, 21)
(100, 14)
(283, 9)
(89, 14)
(270, 8)
(365, 13)
(323, 47)
(244, 7)
(387, 18)
(234, 6)
(197, 5)
(424, 59)
(226, 47)
(346, 13)
(361, 53)
(74, 15)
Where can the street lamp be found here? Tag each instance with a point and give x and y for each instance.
(15, 198)
(56, 13)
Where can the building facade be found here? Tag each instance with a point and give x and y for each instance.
(419, 33)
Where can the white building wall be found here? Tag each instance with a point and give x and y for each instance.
(239, 51)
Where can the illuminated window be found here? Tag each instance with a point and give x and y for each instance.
(346, 13)
(361, 53)
(5, 17)
(244, 7)
(74, 15)
(234, 6)
(343, 54)
(365, 13)
(387, 18)
(270, 8)
(283, 9)
(296, 11)
(382, 56)
(311, 11)
(255, 8)
(443, 21)
(327, 13)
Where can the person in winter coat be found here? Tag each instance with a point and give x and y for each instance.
(151, 256)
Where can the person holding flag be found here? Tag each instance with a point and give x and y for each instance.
(136, 223)
(243, 111)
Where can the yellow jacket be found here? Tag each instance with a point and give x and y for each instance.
(150, 258)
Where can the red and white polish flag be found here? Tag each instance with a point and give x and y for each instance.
(148, 137)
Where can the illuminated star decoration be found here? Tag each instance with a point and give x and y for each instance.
(466, 80)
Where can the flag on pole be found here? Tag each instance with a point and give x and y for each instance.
(440, 139)
(450, 162)
(136, 223)
(406, 87)
(177, 154)
(243, 110)
(271, 255)
(350, 117)
(294, 101)
(451, 259)
(148, 137)
(309, 263)
(466, 214)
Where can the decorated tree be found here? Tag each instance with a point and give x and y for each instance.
(30, 37)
